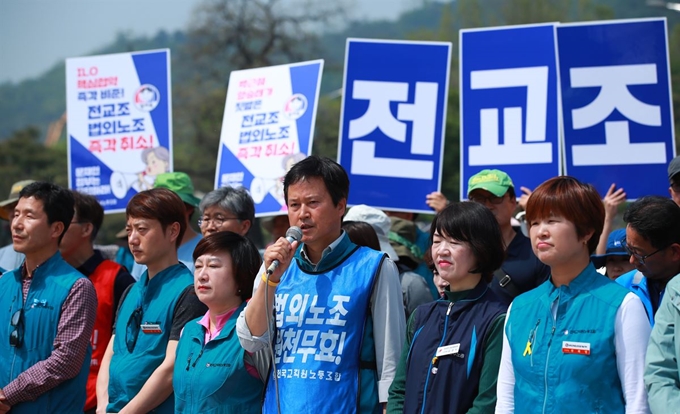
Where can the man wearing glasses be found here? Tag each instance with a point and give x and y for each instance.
(521, 271)
(653, 242)
(48, 311)
(136, 371)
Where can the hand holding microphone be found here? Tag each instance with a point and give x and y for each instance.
(292, 235)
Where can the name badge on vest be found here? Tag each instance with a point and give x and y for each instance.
(151, 328)
(448, 350)
(580, 348)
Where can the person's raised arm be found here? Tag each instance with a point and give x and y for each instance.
(611, 202)
(260, 306)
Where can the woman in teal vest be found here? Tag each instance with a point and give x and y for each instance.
(576, 343)
(213, 374)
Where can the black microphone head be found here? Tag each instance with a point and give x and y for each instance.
(294, 233)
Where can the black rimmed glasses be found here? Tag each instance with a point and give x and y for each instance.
(132, 329)
(638, 257)
(16, 336)
(217, 220)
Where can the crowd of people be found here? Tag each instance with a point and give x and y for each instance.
(358, 310)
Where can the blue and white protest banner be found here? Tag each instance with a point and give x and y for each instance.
(509, 103)
(392, 121)
(268, 126)
(616, 102)
(119, 121)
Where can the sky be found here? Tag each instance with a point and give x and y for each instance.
(36, 34)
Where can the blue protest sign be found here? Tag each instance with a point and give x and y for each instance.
(509, 103)
(268, 126)
(119, 124)
(616, 103)
(392, 121)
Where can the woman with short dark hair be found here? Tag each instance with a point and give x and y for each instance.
(212, 372)
(576, 343)
(449, 363)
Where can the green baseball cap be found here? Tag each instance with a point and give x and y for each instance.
(494, 181)
(180, 183)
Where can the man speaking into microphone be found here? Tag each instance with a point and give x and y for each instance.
(338, 322)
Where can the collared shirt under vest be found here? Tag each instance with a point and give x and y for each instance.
(212, 377)
(322, 322)
(51, 285)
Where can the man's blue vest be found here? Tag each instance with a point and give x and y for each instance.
(212, 377)
(157, 298)
(321, 319)
(449, 383)
(567, 364)
(52, 282)
(636, 282)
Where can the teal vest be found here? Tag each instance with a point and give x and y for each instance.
(571, 366)
(157, 298)
(51, 284)
(212, 378)
(321, 320)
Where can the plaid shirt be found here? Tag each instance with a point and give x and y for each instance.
(69, 347)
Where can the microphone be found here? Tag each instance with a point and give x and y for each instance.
(293, 234)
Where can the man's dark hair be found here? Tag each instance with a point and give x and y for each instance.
(159, 204)
(57, 202)
(88, 210)
(656, 219)
(333, 175)
(476, 225)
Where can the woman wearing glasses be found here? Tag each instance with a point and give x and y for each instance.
(212, 372)
(449, 363)
(226, 209)
(577, 342)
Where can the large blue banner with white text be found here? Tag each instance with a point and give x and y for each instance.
(509, 104)
(617, 108)
(392, 121)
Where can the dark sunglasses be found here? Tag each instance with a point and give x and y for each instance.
(132, 329)
(16, 337)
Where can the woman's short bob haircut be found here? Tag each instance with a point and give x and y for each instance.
(572, 200)
(475, 225)
(245, 258)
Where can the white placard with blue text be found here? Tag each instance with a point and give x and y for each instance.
(392, 121)
(119, 124)
(617, 109)
(509, 104)
(268, 126)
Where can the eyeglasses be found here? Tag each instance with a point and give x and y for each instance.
(132, 329)
(639, 258)
(217, 221)
(16, 337)
(482, 200)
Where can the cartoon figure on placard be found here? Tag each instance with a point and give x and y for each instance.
(157, 160)
(260, 186)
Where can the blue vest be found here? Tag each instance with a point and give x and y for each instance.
(212, 377)
(157, 297)
(51, 284)
(463, 324)
(571, 364)
(636, 282)
(321, 319)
